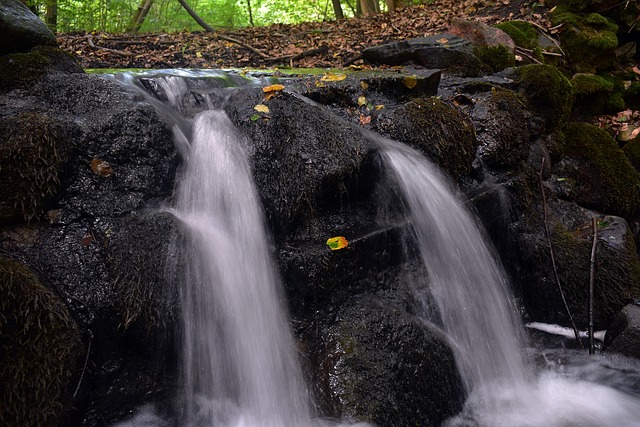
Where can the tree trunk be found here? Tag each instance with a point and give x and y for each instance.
(337, 9)
(140, 16)
(368, 6)
(51, 15)
(195, 17)
(250, 13)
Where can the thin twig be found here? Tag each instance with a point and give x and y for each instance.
(525, 52)
(592, 282)
(552, 255)
(86, 362)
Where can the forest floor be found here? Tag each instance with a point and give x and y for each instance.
(314, 44)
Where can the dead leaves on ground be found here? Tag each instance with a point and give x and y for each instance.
(343, 39)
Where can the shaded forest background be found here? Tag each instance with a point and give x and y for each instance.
(116, 16)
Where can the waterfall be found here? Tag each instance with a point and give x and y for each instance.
(468, 286)
(238, 349)
(477, 313)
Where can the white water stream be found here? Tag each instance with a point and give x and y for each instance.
(477, 313)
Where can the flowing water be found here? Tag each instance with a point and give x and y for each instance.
(476, 311)
(240, 365)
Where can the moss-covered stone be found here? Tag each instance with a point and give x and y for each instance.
(604, 178)
(503, 128)
(22, 70)
(524, 35)
(440, 131)
(592, 93)
(496, 57)
(632, 150)
(33, 149)
(548, 91)
(40, 349)
(589, 41)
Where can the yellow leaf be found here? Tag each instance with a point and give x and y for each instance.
(364, 85)
(330, 77)
(198, 54)
(379, 107)
(336, 243)
(362, 101)
(272, 88)
(410, 81)
(261, 108)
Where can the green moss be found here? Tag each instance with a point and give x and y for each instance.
(440, 131)
(588, 84)
(496, 57)
(32, 152)
(522, 33)
(589, 40)
(548, 91)
(615, 103)
(632, 150)
(22, 70)
(617, 271)
(40, 346)
(592, 93)
(606, 180)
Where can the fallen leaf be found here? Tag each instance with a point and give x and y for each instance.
(272, 88)
(261, 108)
(362, 101)
(410, 81)
(379, 107)
(364, 120)
(330, 77)
(101, 168)
(254, 117)
(336, 243)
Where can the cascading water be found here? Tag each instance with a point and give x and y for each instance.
(239, 360)
(474, 302)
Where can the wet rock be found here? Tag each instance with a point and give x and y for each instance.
(502, 126)
(435, 128)
(624, 334)
(444, 51)
(386, 366)
(306, 159)
(595, 173)
(41, 350)
(491, 45)
(20, 29)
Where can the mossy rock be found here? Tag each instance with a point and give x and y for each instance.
(617, 277)
(33, 150)
(592, 94)
(437, 129)
(548, 91)
(589, 41)
(524, 35)
(496, 57)
(632, 150)
(22, 70)
(602, 176)
(40, 349)
(503, 134)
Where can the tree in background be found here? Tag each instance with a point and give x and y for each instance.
(140, 15)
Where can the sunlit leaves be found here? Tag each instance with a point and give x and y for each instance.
(337, 243)
(331, 77)
(272, 90)
(261, 108)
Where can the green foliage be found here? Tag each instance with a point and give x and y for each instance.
(40, 347)
(168, 15)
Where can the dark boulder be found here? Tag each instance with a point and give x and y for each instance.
(624, 334)
(447, 52)
(20, 29)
